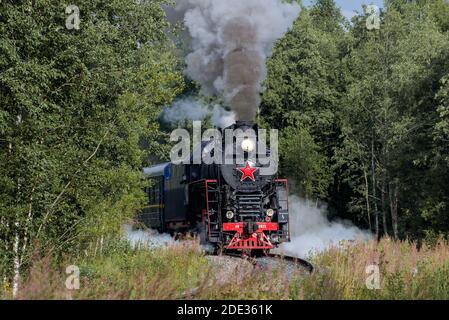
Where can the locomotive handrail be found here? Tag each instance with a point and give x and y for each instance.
(204, 180)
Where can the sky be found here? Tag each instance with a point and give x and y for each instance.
(348, 6)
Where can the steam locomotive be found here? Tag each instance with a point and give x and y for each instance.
(233, 208)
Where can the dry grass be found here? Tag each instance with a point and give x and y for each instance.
(181, 272)
(404, 272)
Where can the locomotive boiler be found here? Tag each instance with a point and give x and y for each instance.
(233, 208)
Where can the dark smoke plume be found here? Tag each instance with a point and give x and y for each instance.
(231, 40)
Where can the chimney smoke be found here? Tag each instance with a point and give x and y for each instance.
(231, 40)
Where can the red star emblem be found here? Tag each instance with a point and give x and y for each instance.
(247, 172)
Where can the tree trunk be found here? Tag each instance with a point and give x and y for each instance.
(373, 171)
(101, 243)
(16, 265)
(368, 209)
(15, 249)
(28, 225)
(384, 207)
(393, 195)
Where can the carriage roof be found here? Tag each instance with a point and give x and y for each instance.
(158, 170)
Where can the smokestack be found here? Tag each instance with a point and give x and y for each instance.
(231, 40)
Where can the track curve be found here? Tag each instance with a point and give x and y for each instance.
(303, 263)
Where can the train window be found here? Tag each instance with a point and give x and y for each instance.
(147, 190)
(153, 193)
(156, 199)
(150, 195)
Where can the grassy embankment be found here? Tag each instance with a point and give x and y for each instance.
(121, 272)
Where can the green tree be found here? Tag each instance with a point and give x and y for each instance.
(304, 87)
(374, 104)
(389, 114)
(305, 165)
(74, 105)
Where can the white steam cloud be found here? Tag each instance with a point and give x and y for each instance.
(312, 232)
(231, 41)
(146, 238)
(191, 109)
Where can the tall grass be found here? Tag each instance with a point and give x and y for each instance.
(404, 272)
(181, 271)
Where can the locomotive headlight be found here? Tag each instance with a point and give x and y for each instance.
(270, 212)
(229, 215)
(248, 145)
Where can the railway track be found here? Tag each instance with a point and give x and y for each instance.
(265, 263)
(262, 261)
(298, 261)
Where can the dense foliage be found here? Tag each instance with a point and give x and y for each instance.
(374, 103)
(74, 108)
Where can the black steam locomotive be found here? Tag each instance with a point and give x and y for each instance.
(232, 207)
